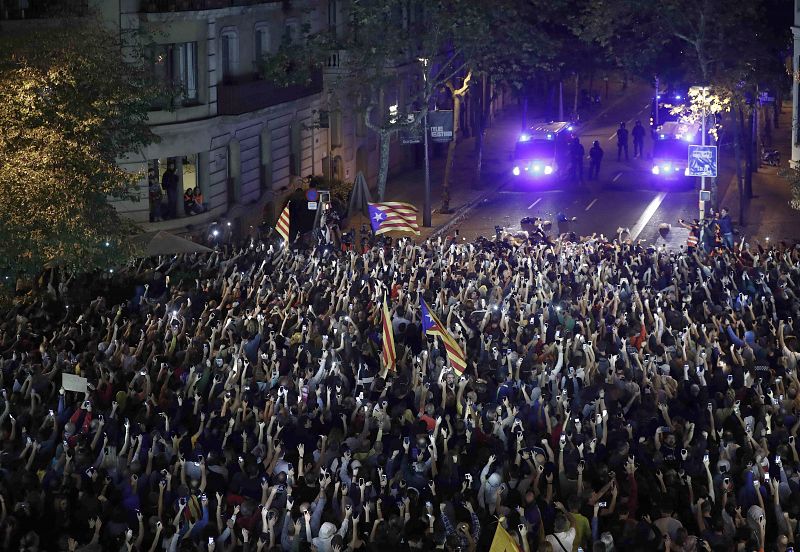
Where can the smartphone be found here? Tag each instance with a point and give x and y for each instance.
(520, 527)
(360, 481)
(603, 504)
(766, 478)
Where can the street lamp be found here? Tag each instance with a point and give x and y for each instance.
(426, 209)
(702, 92)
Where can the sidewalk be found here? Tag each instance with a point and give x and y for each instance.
(408, 186)
(498, 145)
(768, 214)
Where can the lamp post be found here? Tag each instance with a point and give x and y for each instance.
(702, 92)
(426, 209)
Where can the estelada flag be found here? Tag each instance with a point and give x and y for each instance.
(283, 224)
(432, 326)
(388, 353)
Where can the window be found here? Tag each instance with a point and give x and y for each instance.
(263, 46)
(360, 123)
(177, 64)
(229, 54)
(332, 15)
(336, 128)
(294, 149)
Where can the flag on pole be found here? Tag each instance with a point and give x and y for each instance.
(393, 216)
(502, 541)
(432, 326)
(388, 353)
(283, 224)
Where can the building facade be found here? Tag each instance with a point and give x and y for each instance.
(795, 89)
(234, 134)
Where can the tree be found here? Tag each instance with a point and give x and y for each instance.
(385, 46)
(70, 108)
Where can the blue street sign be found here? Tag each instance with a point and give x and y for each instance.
(702, 161)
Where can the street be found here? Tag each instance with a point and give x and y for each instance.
(627, 195)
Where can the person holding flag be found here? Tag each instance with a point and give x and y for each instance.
(432, 326)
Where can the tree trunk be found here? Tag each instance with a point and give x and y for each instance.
(754, 128)
(383, 164)
(748, 156)
(484, 104)
(451, 154)
(575, 103)
(737, 154)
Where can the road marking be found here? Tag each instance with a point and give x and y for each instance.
(532, 205)
(616, 177)
(647, 215)
(592, 203)
(646, 105)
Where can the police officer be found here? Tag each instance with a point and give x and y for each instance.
(595, 157)
(576, 153)
(622, 141)
(638, 139)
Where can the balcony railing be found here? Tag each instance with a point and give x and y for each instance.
(252, 95)
(160, 6)
(40, 9)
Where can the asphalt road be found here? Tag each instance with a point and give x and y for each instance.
(627, 195)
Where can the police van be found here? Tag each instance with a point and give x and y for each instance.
(543, 151)
(663, 105)
(671, 149)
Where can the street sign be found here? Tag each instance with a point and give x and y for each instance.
(441, 125)
(312, 205)
(312, 194)
(764, 97)
(702, 161)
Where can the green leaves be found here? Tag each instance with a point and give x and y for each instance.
(70, 108)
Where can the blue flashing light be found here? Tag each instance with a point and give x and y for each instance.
(548, 169)
(666, 167)
(537, 168)
(516, 171)
(658, 97)
(661, 136)
(549, 136)
(570, 128)
(524, 137)
(655, 169)
(678, 97)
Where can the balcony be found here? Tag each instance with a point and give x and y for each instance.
(161, 6)
(252, 95)
(41, 9)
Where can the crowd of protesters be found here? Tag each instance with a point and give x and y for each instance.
(616, 397)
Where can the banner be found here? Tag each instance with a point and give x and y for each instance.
(412, 134)
(440, 124)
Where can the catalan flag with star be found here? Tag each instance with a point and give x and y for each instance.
(432, 326)
(388, 353)
(393, 216)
